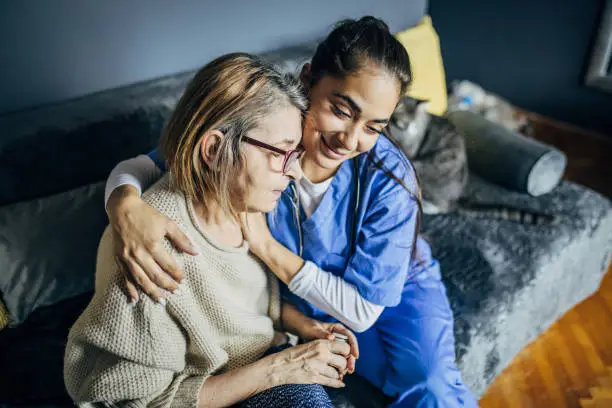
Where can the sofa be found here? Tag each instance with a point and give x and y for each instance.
(507, 281)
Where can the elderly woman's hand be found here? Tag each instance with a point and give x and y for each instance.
(316, 362)
(139, 231)
(309, 329)
(314, 329)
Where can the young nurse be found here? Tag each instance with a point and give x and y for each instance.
(344, 238)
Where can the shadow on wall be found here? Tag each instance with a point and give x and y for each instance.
(534, 53)
(61, 49)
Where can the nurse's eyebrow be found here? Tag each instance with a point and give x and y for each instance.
(356, 107)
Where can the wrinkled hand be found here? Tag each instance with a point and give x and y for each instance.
(316, 362)
(139, 231)
(256, 231)
(315, 329)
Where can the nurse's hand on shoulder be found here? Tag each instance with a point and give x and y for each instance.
(139, 232)
(256, 231)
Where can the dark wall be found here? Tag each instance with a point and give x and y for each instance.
(52, 50)
(534, 53)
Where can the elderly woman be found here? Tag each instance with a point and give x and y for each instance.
(231, 147)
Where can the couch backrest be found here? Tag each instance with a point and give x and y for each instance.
(57, 148)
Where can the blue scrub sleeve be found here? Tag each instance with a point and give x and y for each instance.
(156, 156)
(381, 261)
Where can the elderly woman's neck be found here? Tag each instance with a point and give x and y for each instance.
(220, 225)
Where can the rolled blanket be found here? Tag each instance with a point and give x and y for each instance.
(507, 158)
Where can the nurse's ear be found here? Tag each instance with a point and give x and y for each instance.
(209, 146)
(306, 77)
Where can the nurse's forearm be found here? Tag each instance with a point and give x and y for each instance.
(283, 263)
(335, 296)
(324, 290)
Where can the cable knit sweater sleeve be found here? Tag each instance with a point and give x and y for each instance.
(131, 355)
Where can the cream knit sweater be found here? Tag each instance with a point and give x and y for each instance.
(159, 356)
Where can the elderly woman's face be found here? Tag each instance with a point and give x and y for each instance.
(263, 180)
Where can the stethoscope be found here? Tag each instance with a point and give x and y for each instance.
(295, 201)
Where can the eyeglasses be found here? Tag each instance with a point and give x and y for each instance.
(291, 156)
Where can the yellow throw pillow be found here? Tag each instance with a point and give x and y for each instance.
(4, 316)
(428, 82)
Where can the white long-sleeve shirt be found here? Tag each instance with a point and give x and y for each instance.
(324, 290)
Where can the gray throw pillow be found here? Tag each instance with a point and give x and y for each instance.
(507, 158)
(48, 249)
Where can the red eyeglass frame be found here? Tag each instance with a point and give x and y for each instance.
(291, 156)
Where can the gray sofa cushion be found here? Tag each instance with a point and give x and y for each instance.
(58, 148)
(48, 249)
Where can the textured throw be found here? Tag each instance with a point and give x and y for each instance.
(508, 282)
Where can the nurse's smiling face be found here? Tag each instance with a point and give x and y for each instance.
(347, 115)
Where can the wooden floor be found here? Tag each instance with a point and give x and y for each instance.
(601, 393)
(561, 365)
(568, 362)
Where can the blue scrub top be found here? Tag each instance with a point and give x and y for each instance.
(380, 263)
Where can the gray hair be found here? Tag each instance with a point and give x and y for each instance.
(233, 94)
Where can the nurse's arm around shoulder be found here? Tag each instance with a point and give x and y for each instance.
(376, 272)
(332, 294)
(284, 263)
(140, 230)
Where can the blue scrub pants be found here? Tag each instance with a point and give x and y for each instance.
(409, 353)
